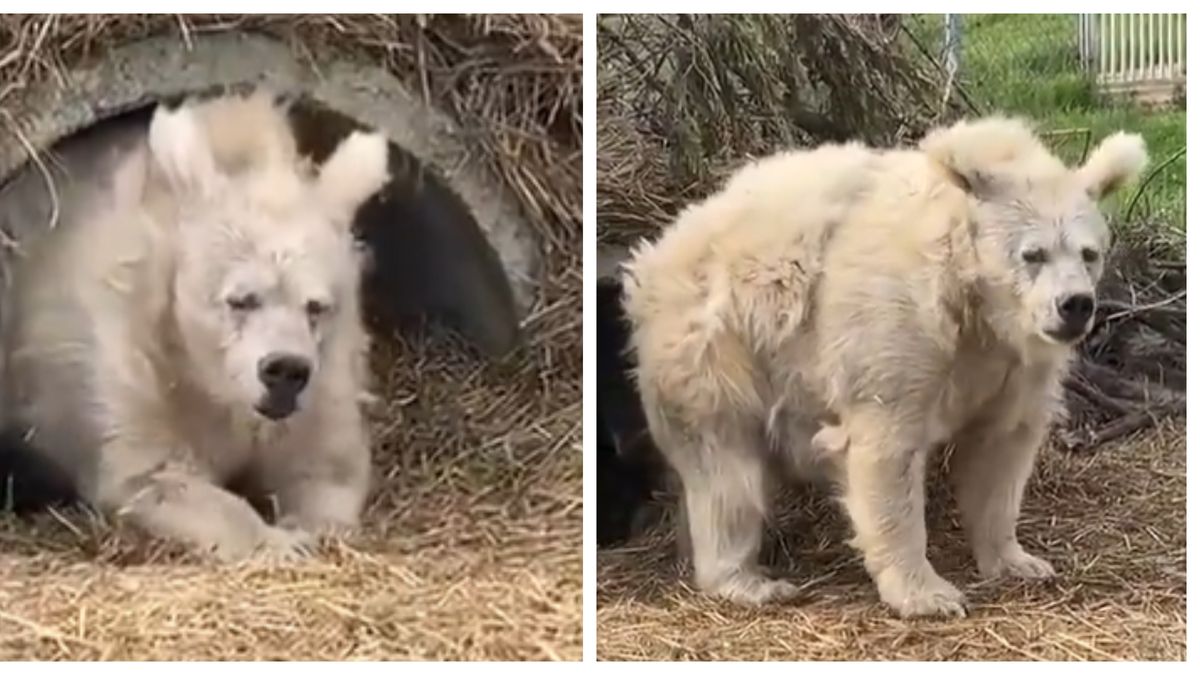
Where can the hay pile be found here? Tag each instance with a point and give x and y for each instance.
(684, 99)
(472, 545)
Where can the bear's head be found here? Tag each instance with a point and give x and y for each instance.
(1038, 237)
(266, 272)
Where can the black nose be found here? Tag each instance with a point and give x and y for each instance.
(1077, 309)
(284, 374)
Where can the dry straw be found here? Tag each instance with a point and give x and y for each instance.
(1112, 524)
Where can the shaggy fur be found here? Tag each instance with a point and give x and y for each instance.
(874, 304)
(193, 321)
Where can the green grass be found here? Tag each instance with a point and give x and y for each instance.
(1025, 63)
(1029, 65)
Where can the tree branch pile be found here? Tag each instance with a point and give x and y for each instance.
(683, 99)
(1132, 371)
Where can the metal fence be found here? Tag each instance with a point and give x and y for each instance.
(1145, 53)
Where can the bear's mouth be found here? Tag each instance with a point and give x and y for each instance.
(1067, 335)
(277, 408)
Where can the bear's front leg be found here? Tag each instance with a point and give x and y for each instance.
(885, 498)
(170, 500)
(989, 469)
(322, 478)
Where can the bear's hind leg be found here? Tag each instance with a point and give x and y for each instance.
(726, 495)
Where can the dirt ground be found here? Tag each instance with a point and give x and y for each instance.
(1113, 524)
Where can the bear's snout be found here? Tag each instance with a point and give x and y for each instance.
(1076, 311)
(1075, 314)
(284, 375)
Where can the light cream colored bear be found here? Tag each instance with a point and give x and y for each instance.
(918, 296)
(194, 319)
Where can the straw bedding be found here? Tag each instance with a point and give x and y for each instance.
(1112, 524)
(472, 542)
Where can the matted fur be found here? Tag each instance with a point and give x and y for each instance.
(146, 325)
(841, 311)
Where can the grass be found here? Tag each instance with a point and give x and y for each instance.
(1029, 65)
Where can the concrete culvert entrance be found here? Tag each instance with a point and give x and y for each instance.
(445, 239)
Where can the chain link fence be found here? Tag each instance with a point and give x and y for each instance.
(991, 58)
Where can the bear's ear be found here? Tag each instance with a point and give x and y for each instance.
(975, 154)
(181, 148)
(356, 170)
(1113, 164)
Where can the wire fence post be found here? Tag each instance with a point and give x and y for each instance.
(952, 45)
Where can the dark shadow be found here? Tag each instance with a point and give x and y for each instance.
(429, 257)
(28, 480)
(628, 468)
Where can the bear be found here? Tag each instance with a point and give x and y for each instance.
(882, 302)
(191, 323)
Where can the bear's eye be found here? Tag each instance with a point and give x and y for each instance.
(1034, 256)
(316, 308)
(244, 303)
(1090, 255)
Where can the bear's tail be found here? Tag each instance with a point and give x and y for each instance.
(29, 481)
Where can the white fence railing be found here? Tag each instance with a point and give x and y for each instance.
(1134, 48)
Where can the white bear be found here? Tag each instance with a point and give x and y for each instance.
(918, 296)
